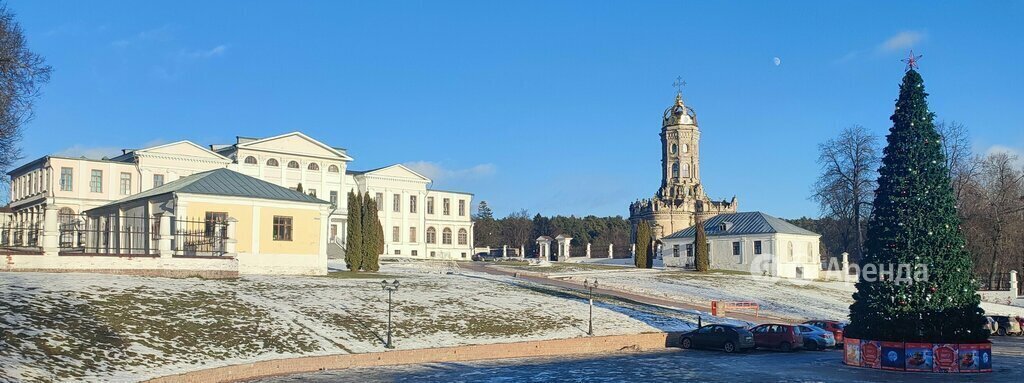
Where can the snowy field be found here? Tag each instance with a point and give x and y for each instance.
(88, 327)
(776, 296)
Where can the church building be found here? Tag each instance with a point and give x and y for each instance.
(681, 198)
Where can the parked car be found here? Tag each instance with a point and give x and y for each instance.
(1007, 325)
(816, 338)
(835, 327)
(778, 336)
(991, 325)
(719, 336)
(483, 256)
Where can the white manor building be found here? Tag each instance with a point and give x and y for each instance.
(417, 221)
(751, 242)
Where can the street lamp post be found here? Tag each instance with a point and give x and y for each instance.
(590, 287)
(390, 288)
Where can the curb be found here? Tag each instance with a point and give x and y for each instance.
(555, 347)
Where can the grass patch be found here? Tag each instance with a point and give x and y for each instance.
(358, 275)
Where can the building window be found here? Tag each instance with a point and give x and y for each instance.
(757, 247)
(398, 252)
(293, 164)
(689, 249)
(430, 205)
(431, 237)
(213, 220)
(396, 203)
(789, 251)
(333, 169)
(686, 170)
(66, 179)
(810, 252)
(272, 163)
(312, 192)
(686, 148)
(446, 207)
(282, 228)
(396, 233)
(675, 170)
(675, 251)
(446, 236)
(158, 180)
(379, 200)
(433, 254)
(96, 181)
(415, 253)
(412, 204)
(313, 166)
(250, 160)
(334, 199)
(412, 234)
(675, 148)
(462, 208)
(126, 183)
(463, 237)
(736, 248)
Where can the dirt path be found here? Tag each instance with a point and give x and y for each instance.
(646, 299)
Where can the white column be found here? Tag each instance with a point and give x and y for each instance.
(231, 242)
(588, 250)
(1013, 282)
(611, 248)
(51, 232)
(163, 242)
(846, 264)
(504, 251)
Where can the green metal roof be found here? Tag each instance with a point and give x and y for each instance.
(228, 183)
(743, 224)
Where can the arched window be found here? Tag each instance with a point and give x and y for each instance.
(675, 148)
(686, 148)
(66, 215)
(332, 168)
(463, 237)
(313, 166)
(431, 235)
(446, 236)
(272, 162)
(675, 170)
(293, 164)
(686, 170)
(789, 246)
(250, 160)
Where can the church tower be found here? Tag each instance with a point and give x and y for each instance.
(681, 199)
(680, 148)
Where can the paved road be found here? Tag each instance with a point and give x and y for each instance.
(668, 366)
(646, 299)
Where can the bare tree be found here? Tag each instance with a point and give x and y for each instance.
(1000, 192)
(516, 228)
(846, 186)
(963, 165)
(22, 73)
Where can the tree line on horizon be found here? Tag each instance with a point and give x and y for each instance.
(519, 229)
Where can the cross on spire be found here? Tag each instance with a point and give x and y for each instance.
(679, 84)
(911, 60)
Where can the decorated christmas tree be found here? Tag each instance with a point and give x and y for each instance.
(916, 281)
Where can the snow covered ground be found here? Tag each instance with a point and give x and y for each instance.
(75, 327)
(776, 296)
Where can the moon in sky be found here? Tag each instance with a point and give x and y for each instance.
(777, 61)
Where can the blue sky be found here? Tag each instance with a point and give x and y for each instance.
(553, 107)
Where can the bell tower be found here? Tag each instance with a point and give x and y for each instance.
(680, 149)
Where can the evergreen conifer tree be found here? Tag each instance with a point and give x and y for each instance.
(701, 260)
(643, 245)
(373, 235)
(354, 241)
(915, 223)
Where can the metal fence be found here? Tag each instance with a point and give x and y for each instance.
(21, 234)
(107, 234)
(200, 237)
(993, 282)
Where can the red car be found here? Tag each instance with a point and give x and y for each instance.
(835, 327)
(778, 336)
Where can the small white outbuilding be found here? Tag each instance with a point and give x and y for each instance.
(752, 242)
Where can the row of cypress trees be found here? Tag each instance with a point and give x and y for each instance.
(365, 235)
(644, 257)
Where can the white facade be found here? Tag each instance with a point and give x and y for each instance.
(750, 242)
(428, 229)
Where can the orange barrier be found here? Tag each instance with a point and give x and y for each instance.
(719, 308)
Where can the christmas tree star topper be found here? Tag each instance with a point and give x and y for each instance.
(912, 60)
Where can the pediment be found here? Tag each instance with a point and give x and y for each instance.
(183, 149)
(398, 171)
(295, 143)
